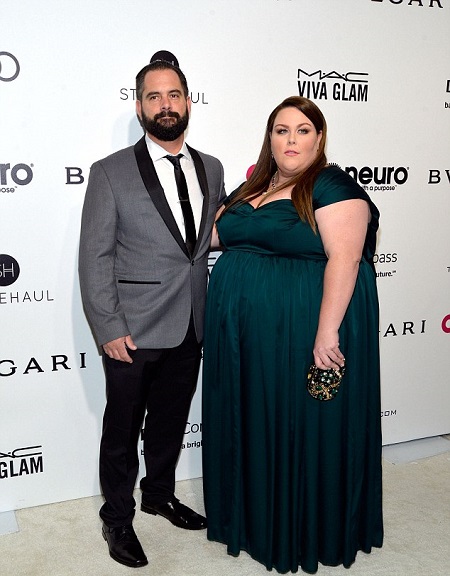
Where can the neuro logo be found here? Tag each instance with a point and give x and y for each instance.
(9, 270)
(21, 174)
(9, 67)
(379, 178)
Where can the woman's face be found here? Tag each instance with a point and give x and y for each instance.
(294, 142)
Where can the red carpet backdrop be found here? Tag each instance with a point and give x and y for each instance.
(379, 70)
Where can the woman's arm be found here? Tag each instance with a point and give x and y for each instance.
(343, 229)
(215, 240)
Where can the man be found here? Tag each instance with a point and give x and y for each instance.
(143, 272)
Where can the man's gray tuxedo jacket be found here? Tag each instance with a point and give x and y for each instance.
(136, 274)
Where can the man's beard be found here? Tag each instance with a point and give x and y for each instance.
(165, 131)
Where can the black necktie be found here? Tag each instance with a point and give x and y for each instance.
(183, 196)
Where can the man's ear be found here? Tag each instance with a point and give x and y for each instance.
(139, 109)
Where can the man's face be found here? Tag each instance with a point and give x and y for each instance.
(164, 110)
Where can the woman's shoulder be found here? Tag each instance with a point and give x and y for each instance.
(334, 185)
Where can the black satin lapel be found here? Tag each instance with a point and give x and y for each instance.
(203, 181)
(155, 190)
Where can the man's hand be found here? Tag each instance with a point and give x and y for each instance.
(117, 349)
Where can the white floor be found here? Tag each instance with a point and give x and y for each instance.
(64, 539)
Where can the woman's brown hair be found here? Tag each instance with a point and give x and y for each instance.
(266, 167)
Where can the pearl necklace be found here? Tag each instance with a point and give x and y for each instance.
(272, 185)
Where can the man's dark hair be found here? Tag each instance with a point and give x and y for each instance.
(159, 65)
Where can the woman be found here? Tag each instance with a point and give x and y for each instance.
(289, 478)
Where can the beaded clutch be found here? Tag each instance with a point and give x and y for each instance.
(324, 384)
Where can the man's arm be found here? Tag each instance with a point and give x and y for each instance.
(96, 259)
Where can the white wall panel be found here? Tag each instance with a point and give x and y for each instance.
(72, 103)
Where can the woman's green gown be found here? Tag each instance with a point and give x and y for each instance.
(291, 480)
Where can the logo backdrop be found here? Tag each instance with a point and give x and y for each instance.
(379, 71)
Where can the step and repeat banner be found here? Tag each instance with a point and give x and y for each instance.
(378, 69)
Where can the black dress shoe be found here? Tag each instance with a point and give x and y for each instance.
(177, 513)
(124, 546)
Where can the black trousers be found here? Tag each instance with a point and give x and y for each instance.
(161, 382)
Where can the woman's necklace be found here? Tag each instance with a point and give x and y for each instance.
(272, 188)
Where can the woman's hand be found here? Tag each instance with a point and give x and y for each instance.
(326, 351)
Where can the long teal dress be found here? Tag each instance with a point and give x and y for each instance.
(290, 479)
